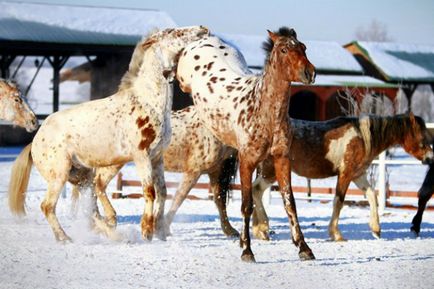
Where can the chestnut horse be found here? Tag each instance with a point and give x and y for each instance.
(14, 108)
(425, 193)
(131, 125)
(249, 112)
(194, 151)
(343, 147)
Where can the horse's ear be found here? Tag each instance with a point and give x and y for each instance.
(148, 42)
(273, 36)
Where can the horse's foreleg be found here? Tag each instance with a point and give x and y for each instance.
(220, 202)
(374, 220)
(341, 190)
(144, 170)
(48, 207)
(425, 194)
(161, 195)
(102, 179)
(260, 219)
(282, 166)
(246, 170)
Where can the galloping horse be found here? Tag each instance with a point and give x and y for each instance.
(14, 109)
(133, 124)
(193, 150)
(249, 112)
(425, 193)
(343, 147)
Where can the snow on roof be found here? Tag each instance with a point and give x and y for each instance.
(400, 62)
(24, 21)
(325, 56)
(350, 81)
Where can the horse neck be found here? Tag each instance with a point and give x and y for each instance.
(388, 131)
(150, 86)
(274, 96)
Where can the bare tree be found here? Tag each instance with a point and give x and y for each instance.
(375, 31)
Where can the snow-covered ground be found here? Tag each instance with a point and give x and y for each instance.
(198, 255)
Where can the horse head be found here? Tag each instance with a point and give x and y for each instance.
(288, 55)
(170, 43)
(417, 142)
(13, 107)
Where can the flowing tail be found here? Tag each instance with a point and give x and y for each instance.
(20, 175)
(227, 176)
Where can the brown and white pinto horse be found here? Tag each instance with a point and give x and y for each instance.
(14, 108)
(343, 147)
(131, 125)
(193, 151)
(249, 112)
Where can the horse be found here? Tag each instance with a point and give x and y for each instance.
(249, 112)
(14, 108)
(131, 125)
(193, 151)
(424, 194)
(343, 147)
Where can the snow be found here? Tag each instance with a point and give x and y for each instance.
(324, 55)
(401, 61)
(134, 22)
(197, 255)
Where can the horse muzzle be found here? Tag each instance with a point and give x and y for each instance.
(428, 159)
(308, 74)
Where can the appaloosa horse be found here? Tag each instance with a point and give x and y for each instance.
(249, 112)
(133, 124)
(193, 151)
(343, 147)
(425, 193)
(14, 108)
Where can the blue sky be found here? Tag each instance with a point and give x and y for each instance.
(408, 21)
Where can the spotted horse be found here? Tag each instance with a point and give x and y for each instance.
(250, 112)
(131, 125)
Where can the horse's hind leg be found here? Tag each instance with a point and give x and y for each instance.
(220, 201)
(341, 190)
(189, 179)
(374, 220)
(161, 195)
(425, 194)
(260, 222)
(48, 207)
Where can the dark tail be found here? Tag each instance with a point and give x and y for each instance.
(227, 176)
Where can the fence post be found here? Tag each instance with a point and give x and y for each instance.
(382, 182)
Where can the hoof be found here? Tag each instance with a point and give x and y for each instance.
(112, 222)
(415, 231)
(147, 236)
(63, 239)
(161, 235)
(231, 233)
(376, 235)
(264, 236)
(306, 255)
(248, 257)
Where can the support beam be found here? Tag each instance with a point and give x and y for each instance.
(409, 91)
(57, 62)
(5, 62)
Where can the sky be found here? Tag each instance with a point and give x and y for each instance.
(406, 21)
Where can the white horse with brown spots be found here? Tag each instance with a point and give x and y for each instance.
(193, 151)
(249, 112)
(131, 125)
(14, 108)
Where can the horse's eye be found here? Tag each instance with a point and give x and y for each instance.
(284, 50)
(17, 100)
(421, 145)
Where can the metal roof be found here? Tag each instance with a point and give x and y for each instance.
(398, 62)
(327, 56)
(60, 25)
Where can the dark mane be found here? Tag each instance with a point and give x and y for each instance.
(268, 44)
